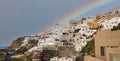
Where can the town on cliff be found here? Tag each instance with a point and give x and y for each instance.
(63, 42)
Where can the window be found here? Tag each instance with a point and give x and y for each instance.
(115, 58)
(103, 52)
(114, 46)
(56, 39)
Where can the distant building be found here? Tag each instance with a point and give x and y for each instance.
(107, 46)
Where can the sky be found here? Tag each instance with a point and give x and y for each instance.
(26, 17)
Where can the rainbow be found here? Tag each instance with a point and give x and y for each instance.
(83, 10)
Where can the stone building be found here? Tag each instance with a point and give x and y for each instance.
(107, 46)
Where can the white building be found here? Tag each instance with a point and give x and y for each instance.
(61, 59)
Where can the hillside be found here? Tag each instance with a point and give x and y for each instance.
(69, 40)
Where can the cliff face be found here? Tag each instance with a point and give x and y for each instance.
(16, 43)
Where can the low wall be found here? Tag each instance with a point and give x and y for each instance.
(90, 58)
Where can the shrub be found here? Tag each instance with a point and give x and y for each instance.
(89, 49)
(116, 27)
